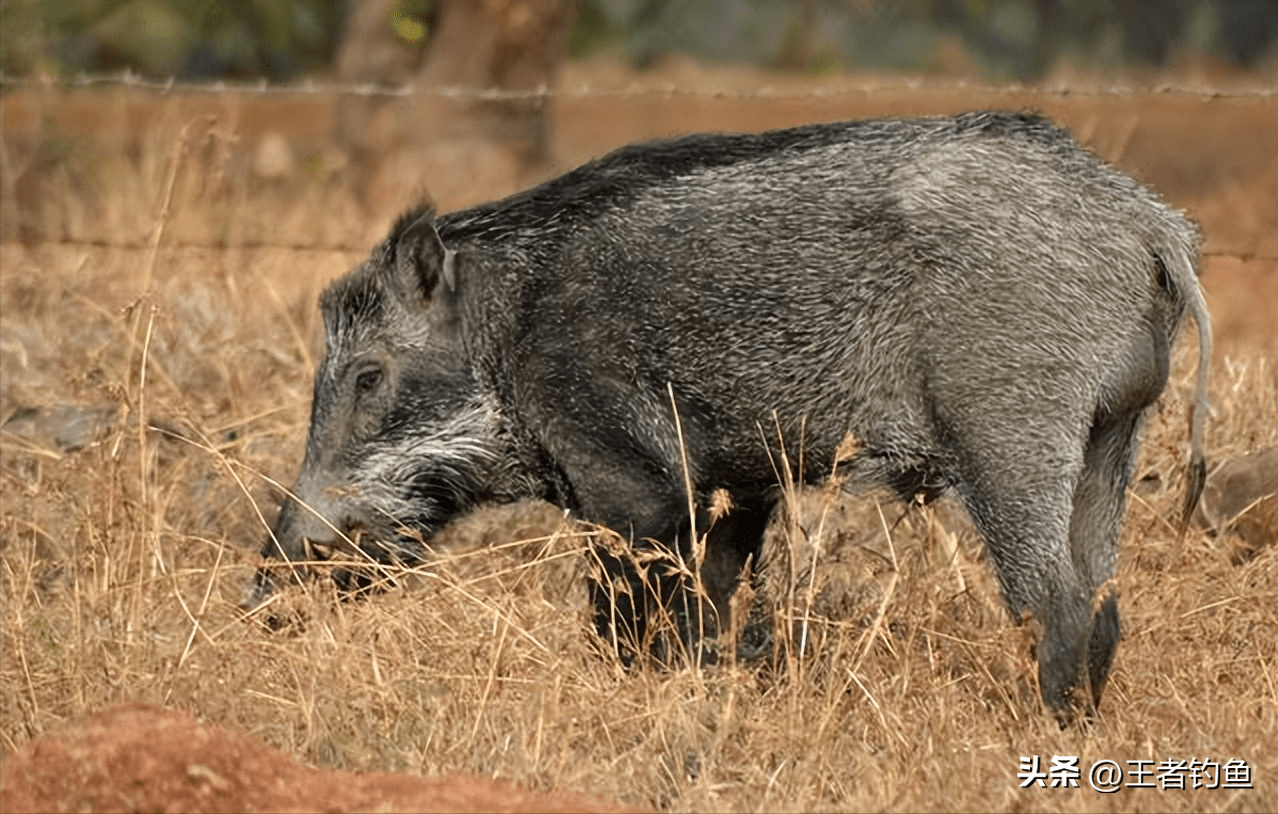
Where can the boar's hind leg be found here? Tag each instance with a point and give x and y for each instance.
(1100, 496)
(1026, 536)
(1094, 531)
(1019, 495)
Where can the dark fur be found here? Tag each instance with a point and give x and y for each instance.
(986, 307)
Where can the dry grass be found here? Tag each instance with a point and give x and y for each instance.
(122, 562)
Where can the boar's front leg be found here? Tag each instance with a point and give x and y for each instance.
(655, 578)
(650, 574)
(732, 542)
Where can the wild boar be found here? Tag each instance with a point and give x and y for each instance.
(986, 307)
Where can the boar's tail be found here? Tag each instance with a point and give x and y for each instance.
(1182, 268)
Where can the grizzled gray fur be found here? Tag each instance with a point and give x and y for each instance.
(986, 307)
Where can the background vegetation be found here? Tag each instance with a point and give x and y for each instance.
(284, 39)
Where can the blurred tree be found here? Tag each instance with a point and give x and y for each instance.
(1248, 30)
(25, 34)
(799, 44)
(382, 40)
(1016, 38)
(388, 41)
(479, 45)
(594, 31)
(514, 45)
(1151, 28)
(645, 27)
(256, 38)
(373, 51)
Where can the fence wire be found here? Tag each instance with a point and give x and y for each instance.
(827, 88)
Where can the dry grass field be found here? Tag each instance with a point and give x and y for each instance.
(159, 335)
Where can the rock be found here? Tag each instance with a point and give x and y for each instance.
(1241, 498)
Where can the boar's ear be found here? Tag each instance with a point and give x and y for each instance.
(420, 258)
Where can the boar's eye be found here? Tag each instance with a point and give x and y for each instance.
(368, 380)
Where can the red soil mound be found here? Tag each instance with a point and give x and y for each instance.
(138, 758)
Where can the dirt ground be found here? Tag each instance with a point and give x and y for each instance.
(160, 264)
(138, 758)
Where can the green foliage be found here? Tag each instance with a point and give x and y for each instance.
(408, 20)
(23, 37)
(189, 38)
(1009, 39)
(594, 31)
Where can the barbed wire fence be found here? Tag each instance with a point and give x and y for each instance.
(787, 89)
(821, 88)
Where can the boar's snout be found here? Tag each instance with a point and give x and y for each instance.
(301, 532)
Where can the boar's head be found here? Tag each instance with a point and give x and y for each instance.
(401, 438)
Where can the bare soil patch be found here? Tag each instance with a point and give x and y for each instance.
(138, 758)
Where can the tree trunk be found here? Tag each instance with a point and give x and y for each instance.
(455, 149)
(369, 53)
(507, 45)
